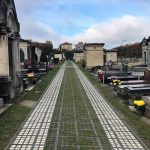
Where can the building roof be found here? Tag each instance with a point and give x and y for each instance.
(93, 44)
(41, 45)
(110, 50)
(23, 40)
(66, 43)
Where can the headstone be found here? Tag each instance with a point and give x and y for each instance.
(1, 101)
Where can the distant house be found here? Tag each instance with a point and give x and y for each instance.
(66, 46)
(78, 57)
(94, 54)
(79, 46)
(111, 55)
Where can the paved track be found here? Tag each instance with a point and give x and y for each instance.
(74, 125)
(116, 130)
(33, 134)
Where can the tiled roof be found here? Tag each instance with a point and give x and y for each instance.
(66, 43)
(111, 50)
(88, 44)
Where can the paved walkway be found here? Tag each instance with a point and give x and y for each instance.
(117, 131)
(34, 132)
(76, 124)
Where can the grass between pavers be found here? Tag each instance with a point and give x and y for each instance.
(131, 118)
(71, 123)
(12, 118)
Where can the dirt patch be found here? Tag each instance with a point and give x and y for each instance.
(28, 103)
(146, 120)
(143, 118)
(132, 108)
(37, 91)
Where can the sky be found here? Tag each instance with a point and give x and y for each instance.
(113, 22)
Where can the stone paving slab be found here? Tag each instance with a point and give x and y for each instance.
(118, 133)
(32, 135)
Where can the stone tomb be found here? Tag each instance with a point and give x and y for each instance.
(9, 49)
(94, 54)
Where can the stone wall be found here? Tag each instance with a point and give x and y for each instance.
(78, 57)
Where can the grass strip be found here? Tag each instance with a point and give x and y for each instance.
(10, 121)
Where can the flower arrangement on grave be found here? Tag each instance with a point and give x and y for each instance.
(140, 106)
(116, 82)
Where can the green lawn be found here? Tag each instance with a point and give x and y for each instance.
(133, 120)
(11, 119)
(10, 122)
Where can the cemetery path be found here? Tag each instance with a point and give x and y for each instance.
(33, 132)
(73, 115)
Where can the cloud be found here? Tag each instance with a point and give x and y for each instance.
(37, 31)
(65, 20)
(113, 31)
